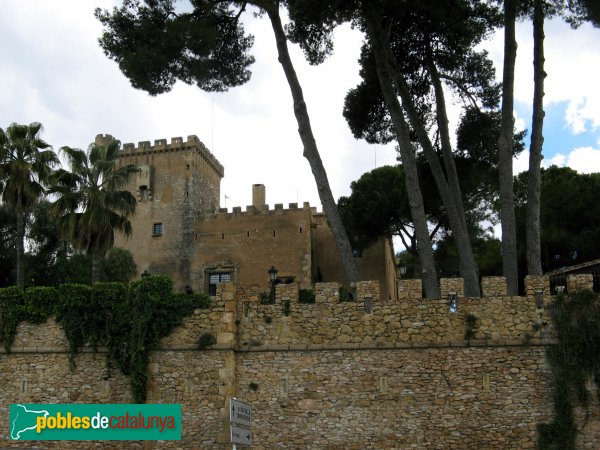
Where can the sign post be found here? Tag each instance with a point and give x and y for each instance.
(240, 417)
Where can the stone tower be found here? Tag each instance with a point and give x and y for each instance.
(177, 184)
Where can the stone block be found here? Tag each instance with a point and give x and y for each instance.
(494, 286)
(367, 290)
(410, 289)
(448, 285)
(580, 282)
(225, 338)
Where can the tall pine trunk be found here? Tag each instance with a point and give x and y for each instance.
(311, 152)
(505, 152)
(407, 153)
(468, 266)
(534, 254)
(454, 210)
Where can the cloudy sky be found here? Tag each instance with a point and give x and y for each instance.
(53, 71)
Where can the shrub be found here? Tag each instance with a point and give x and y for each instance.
(40, 303)
(306, 296)
(12, 302)
(206, 340)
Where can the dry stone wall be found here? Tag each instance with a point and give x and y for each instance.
(362, 374)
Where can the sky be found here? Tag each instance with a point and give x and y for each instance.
(53, 71)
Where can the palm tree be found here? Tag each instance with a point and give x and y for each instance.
(26, 163)
(90, 205)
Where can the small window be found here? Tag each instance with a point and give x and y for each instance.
(216, 278)
(157, 229)
(144, 193)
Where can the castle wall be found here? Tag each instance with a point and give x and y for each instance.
(177, 183)
(375, 263)
(180, 231)
(328, 375)
(248, 243)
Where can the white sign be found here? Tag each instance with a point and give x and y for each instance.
(240, 435)
(240, 413)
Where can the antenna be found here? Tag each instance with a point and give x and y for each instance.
(212, 125)
(375, 148)
(226, 197)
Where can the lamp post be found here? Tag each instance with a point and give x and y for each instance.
(272, 278)
(402, 268)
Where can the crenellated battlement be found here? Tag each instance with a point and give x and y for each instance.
(162, 146)
(263, 210)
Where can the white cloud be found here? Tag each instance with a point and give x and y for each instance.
(54, 72)
(572, 64)
(521, 162)
(585, 160)
(581, 159)
(557, 160)
(583, 114)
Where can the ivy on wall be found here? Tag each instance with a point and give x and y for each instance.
(575, 359)
(128, 320)
(12, 302)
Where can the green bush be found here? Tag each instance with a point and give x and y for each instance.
(78, 317)
(129, 320)
(206, 340)
(306, 296)
(40, 303)
(344, 295)
(118, 265)
(12, 302)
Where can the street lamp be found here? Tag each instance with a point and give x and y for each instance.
(402, 268)
(272, 278)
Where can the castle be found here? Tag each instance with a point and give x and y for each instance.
(391, 371)
(180, 230)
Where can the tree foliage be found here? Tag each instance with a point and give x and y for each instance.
(569, 216)
(128, 320)
(414, 50)
(8, 236)
(118, 265)
(91, 206)
(155, 45)
(26, 163)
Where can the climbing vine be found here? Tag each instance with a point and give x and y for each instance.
(128, 320)
(575, 359)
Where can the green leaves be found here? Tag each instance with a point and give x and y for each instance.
(11, 314)
(574, 359)
(129, 321)
(91, 207)
(155, 46)
(25, 164)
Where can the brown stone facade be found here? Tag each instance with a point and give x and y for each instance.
(179, 229)
(328, 375)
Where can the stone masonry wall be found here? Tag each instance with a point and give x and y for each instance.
(182, 182)
(362, 374)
